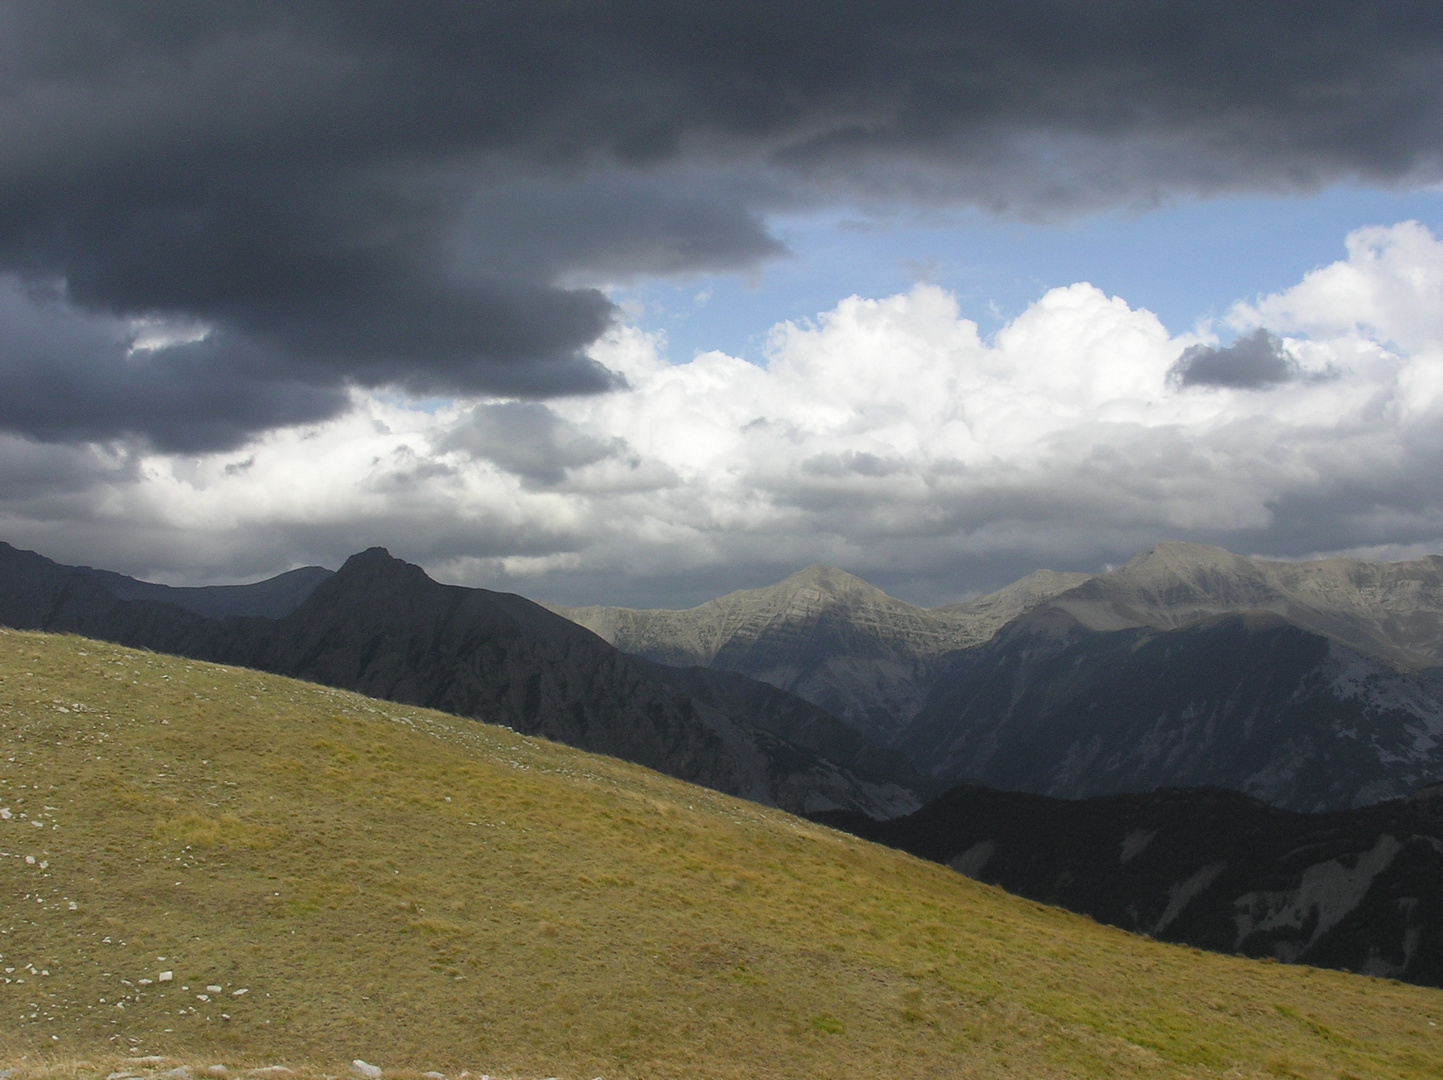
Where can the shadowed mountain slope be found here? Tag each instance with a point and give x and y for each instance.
(824, 635)
(794, 719)
(382, 627)
(273, 598)
(1360, 889)
(1250, 702)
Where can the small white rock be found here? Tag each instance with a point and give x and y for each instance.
(215, 1070)
(238, 993)
(165, 976)
(365, 1071)
(435, 1075)
(212, 989)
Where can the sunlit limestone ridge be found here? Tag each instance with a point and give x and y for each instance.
(1391, 610)
(328, 877)
(824, 634)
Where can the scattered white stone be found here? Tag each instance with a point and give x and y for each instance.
(30, 860)
(165, 976)
(215, 1070)
(5, 815)
(435, 1075)
(212, 989)
(238, 993)
(76, 907)
(202, 997)
(365, 1071)
(145, 982)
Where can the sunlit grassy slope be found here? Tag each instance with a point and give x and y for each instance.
(426, 892)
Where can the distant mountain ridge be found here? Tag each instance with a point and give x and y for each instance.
(1393, 611)
(1308, 685)
(825, 635)
(382, 627)
(1304, 684)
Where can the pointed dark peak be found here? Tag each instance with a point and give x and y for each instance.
(376, 567)
(371, 555)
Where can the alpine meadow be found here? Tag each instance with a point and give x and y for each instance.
(365, 880)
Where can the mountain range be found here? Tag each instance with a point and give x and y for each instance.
(825, 635)
(1310, 685)
(382, 627)
(1264, 689)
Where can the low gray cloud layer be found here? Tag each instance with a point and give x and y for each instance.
(423, 196)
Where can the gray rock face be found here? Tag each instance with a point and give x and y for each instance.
(826, 636)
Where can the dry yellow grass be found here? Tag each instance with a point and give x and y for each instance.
(426, 892)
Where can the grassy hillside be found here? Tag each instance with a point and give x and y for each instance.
(429, 893)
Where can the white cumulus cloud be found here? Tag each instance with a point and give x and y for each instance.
(887, 435)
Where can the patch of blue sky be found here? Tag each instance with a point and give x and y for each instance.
(1188, 263)
(400, 400)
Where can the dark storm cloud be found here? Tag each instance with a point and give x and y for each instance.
(1250, 363)
(415, 194)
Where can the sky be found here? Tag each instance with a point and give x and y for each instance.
(642, 302)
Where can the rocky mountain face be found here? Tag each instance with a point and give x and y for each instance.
(1305, 684)
(381, 627)
(826, 636)
(1251, 702)
(1359, 889)
(1393, 611)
